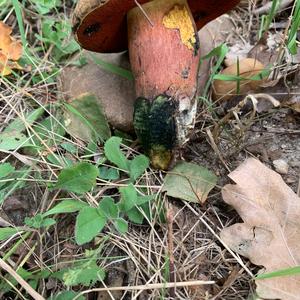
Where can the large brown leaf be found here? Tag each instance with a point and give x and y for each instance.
(10, 50)
(270, 234)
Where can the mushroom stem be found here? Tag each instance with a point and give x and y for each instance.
(164, 58)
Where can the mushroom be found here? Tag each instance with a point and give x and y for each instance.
(247, 68)
(162, 40)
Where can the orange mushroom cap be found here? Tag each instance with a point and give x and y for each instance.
(101, 25)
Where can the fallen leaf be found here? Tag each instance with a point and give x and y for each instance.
(5, 32)
(10, 50)
(270, 233)
(189, 182)
(14, 51)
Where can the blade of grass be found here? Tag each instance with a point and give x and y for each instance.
(292, 38)
(220, 52)
(18, 11)
(112, 68)
(279, 273)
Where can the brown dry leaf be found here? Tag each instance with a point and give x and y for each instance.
(270, 233)
(6, 66)
(10, 50)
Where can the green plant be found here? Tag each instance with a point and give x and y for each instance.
(11, 180)
(294, 25)
(220, 52)
(267, 19)
(58, 34)
(81, 178)
(280, 273)
(294, 28)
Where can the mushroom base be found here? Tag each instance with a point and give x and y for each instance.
(164, 55)
(155, 127)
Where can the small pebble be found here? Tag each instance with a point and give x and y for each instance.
(281, 166)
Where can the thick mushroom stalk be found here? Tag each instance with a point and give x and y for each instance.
(164, 54)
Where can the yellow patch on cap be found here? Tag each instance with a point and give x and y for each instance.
(179, 18)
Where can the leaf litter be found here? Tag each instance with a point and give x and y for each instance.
(270, 233)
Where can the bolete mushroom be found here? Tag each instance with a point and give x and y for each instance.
(163, 44)
(246, 69)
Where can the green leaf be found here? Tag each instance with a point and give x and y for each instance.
(69, 147)
(7, 189)
(114, 154)
(66, 295)
(128, 197)
(66, 206)
(108, 207)
(89, 223)
(18, 125)
(49, 130)
(85, 276)
(13, 140)
(189, 182)
(7, 232)
(121, 225)
(144, 199)
(59, 160)
(138, 166)
(48, 222)
(38, 221)
(79, 178)
(135, 215)
(85, 119)
(109, 173)
(6, 169)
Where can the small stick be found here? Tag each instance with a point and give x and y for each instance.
(147, 287)
(144, 13)
(265, 8)
(170, 217)
(35, 295)
(216, 149)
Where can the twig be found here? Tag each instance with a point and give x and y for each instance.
(265, 8)
(144, 13)
(170, 217)
(147, 287)
(35, 295)
(216, 149)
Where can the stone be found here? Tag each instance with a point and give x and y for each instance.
(281, 166)
(115, 93)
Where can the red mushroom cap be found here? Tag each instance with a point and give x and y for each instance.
(101, 25)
